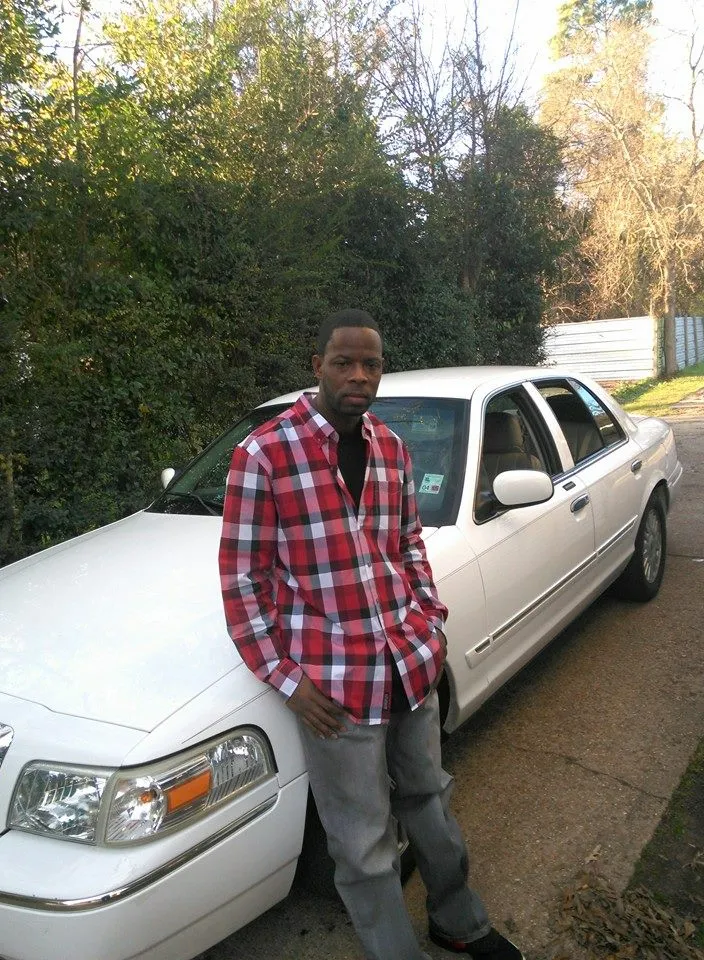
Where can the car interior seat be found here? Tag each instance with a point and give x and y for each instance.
(503, 448)
(582, 434)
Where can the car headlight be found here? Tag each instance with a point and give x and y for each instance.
(58, 800)
(139, 803)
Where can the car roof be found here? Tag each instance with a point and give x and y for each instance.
(453, 382)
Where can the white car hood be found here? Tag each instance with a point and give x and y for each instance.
(124, 624)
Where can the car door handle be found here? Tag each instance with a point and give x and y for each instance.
(636, 465)
(580, 503)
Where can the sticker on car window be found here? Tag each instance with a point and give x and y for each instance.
(432, 482)
(426, 424)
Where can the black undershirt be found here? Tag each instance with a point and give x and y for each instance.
(352, 463)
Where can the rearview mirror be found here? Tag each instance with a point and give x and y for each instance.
(167, 476)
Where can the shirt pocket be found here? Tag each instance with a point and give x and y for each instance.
(384, 508)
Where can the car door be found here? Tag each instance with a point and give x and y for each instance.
(535, 561)
(607, 462)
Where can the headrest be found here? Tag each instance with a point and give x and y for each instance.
(566, 406)
(502, 433)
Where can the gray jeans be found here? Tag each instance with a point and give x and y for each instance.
(352, 779)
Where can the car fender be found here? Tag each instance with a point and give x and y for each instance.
(236, 700)
(660, 464)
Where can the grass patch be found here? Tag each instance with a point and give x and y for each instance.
(655, 397)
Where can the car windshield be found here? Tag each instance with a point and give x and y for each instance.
(433, 429)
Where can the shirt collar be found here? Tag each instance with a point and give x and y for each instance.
(318, 425)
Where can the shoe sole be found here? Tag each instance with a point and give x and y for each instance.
(451, 948)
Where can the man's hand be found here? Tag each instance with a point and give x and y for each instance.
(322, 715)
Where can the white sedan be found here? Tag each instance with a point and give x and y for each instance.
(153, 793)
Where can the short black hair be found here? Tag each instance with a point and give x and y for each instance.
(343, 318)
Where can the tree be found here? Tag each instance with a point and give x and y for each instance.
(640, 186)
(485, 178)
(25, 28)
(186, 198)
(232, 189)
(577, 16)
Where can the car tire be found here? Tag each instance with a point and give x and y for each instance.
(642, 577)
(316, 868)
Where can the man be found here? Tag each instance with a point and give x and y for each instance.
(329, 597)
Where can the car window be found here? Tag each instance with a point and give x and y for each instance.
(434, 431)
(200, 488)
(510, 441)
(587, 426)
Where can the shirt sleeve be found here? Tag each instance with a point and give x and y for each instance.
(413, 552)
(247, 557)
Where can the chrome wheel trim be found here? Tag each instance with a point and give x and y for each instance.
(652, 545)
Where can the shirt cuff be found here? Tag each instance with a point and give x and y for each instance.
(286, 676)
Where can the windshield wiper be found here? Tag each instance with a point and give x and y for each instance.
(214, 509)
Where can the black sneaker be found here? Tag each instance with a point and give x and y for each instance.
(493, 946)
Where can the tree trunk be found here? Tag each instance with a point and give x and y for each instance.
(669, 325)
(75, 78)
(81, 213)
(9, 519)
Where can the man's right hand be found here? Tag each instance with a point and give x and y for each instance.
(322, 715)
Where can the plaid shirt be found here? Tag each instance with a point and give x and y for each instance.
(310, 586)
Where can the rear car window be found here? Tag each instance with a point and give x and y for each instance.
(587, 425)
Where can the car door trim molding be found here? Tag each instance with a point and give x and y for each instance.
(544, 597)
(619, 535)
(120, 893)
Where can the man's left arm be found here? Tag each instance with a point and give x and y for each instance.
(415, 560)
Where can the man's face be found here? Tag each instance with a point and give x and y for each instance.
(348, 374)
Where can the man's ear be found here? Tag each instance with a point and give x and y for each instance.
(317, 364)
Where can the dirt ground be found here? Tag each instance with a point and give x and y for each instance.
(672, 865)
(660, 915)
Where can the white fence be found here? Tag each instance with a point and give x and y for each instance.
(625, 349)
(690, 341)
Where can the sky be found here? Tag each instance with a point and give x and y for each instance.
(536, 24)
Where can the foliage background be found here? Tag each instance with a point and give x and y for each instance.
(181, 206)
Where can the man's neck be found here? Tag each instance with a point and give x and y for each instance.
(344, 425)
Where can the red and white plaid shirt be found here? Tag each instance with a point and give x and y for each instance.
(309, 585)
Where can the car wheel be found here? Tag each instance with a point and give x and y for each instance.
(642, 577)
(316, 869)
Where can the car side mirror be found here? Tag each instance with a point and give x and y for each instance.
(167, 476)
(522, 488)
